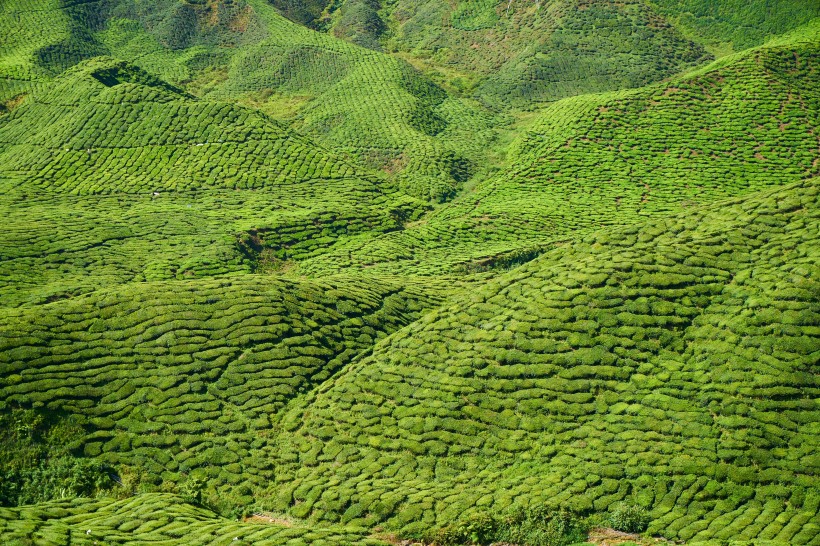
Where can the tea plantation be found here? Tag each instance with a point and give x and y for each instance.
(174, 378)
(671, 364)
(373, 107)
(519, 272)
(516, 54)
(149, 183)
(156, 519)
(743, 123)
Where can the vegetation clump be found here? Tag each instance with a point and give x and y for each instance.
(526, 527)
(366, 271)
(630, 518)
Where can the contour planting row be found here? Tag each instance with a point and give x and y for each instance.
(157, 519)
(672, 364)
(172, 377)
(743, 124)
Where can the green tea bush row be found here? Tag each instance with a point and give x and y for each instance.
(589, 377)
(232, 355)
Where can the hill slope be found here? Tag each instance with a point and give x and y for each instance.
(110, 175)
(737, 24)
(515, 53)
(673, 364)
(373, 107)
(743, 123)
(519, 53)
(157, 518)
(169, 379)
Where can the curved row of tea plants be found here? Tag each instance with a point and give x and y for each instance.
(672, 364)
(184, 377)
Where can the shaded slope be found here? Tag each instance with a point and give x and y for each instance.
(672, 364)
(743, 123)
(182, 377)
(736, 24)
(40, 39)
(519, 53)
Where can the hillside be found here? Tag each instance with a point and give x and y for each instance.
(88, 522)
(105, 126)
(372, 107)
(410, 272)
(148, 183)
(735, 24)
(743, 123)
(673, 364)
(516, 54)
(131, 371)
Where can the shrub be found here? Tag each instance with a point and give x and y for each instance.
(629, 518)
(540, 526)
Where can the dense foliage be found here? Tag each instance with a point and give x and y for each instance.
(529, 272)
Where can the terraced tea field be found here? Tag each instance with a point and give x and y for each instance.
(231, 355)
(744, 123)
(89, 522)
(671, 364)
(370, 106)
(109, 177)
(530, 53)
(361, 272)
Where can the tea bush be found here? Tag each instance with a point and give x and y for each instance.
(630, 518)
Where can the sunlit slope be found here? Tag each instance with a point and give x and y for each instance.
(189, 376)
(375, 108)
(110, 175)
(520, 53)
(106, 126)
(736, 24)
(156, 519)
(672, 364)
(744, 123)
